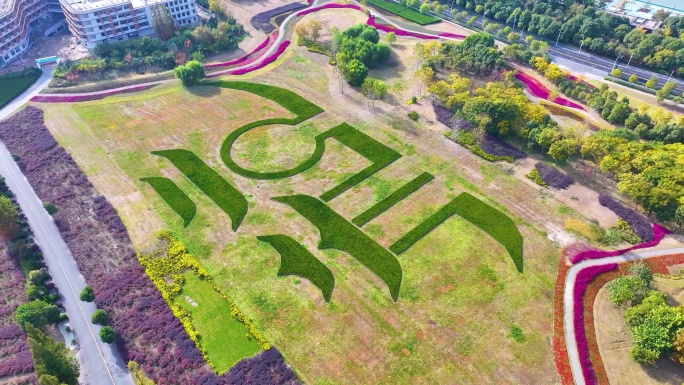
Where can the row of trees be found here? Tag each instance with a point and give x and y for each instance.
(358, 49)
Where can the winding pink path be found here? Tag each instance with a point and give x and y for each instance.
(539, 90)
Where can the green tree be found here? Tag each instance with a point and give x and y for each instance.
(633, 78)
(354, 72)
(51, 357)
(36, 313)
(562, 149)
(190, 74)
(398, 89)
(47, 379)
(100, 317)
(652, 82)
(626, 289)
(87, 294)
(107, 334)
(162, 22)
(616, 73)
(664, 93)
(639, 269)
(391, 38)
(8, 218)
(198, 56)
(424, 8)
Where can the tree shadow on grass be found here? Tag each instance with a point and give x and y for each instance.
(203, 91)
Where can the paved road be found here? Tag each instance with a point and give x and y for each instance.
(100, 363)
(568, 300)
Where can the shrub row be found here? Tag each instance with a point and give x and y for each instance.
(553, 177)
(314, 46)
(480, 214)
(405, 12)
(166, 272)
(14, 83)
(295, 259)
(494, 145)
(227, 197)
(639, 224)
(337, 233)
(148, 332)
(262, 21)
(658, 233)
(397, 196)
(535, 177)
(174, 197)
(467, 140)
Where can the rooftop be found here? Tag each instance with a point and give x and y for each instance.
(645, 9)
(5, 7)
(92, 5)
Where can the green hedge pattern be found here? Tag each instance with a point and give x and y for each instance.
(400, 194)
(480, 214)
(295, 259)
(174, 197)
(405, 12)
(337, 233)
(227, 197)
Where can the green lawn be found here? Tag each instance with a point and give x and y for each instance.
(223, 337)
(11, 88)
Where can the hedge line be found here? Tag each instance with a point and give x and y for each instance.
(400, 194)
(337, 233)
(295, 259)
(227, 197)
(174, 197)
(369, 148)
(405, 12)
(480, 214)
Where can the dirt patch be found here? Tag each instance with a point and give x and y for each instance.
(191, 301)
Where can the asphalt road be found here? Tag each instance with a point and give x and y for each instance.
(100, 362)
(569, 301)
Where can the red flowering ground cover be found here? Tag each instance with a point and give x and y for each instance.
(539, 90)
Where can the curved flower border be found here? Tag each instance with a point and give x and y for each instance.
(658, 233)
(539, 90)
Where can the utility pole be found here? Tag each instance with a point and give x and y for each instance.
(630, 59)
(671, 73)
(559, 35)
(581, 44)
(616, 60)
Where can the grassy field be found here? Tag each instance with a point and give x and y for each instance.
(223, 337)
(11, 88)
(460, 294)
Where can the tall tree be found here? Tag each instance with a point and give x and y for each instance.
(8, 218)
(51, 357)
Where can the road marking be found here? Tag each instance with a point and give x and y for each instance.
(63, 270)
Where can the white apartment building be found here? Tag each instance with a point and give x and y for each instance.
(97, 21)
(16, 18)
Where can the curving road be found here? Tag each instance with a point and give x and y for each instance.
(569, 302)
(100, 362)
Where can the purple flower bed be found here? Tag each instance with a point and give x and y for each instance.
(639, 224)
(496, 146)
(66, 98)
(658, 233)
(243, 58)
(148, 332)
(329, 6)
(584, 277)
(539, 90)
(397, 31)
(553, 177)
(268, 60)
(262, 21)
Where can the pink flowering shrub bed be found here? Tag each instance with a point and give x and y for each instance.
(66, 98)
(584, 277)
(658, 233)
(328, 6)
(147, 330)
(452, 35)
(397, 31)
(242, 59)
(539, 90)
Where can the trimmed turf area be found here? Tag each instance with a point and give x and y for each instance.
(394, 198)
(407, 13)
(480, 214)
(223, 337)
(295, 259)
(174, 197)
(13, 84)
(227, 197)
(337, 233)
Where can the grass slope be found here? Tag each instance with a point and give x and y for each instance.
(13, 84)
(487, 218)
(295, 259)
(227, 197)
(405, 12)
(223, 337)
(337, 233)
(174, 197)
(394, 198)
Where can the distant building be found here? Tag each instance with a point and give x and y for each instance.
(97, 21)
(641, 13)
(17, 19)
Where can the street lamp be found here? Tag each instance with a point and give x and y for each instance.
(559, 35)
(630, 59)
(581, 44)
(616, 60)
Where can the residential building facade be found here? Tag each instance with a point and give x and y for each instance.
(97, 21)
(16, 18)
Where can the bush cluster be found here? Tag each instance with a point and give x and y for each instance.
(467, 140)
(535, 177)
(553, 177)
(639, 224)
